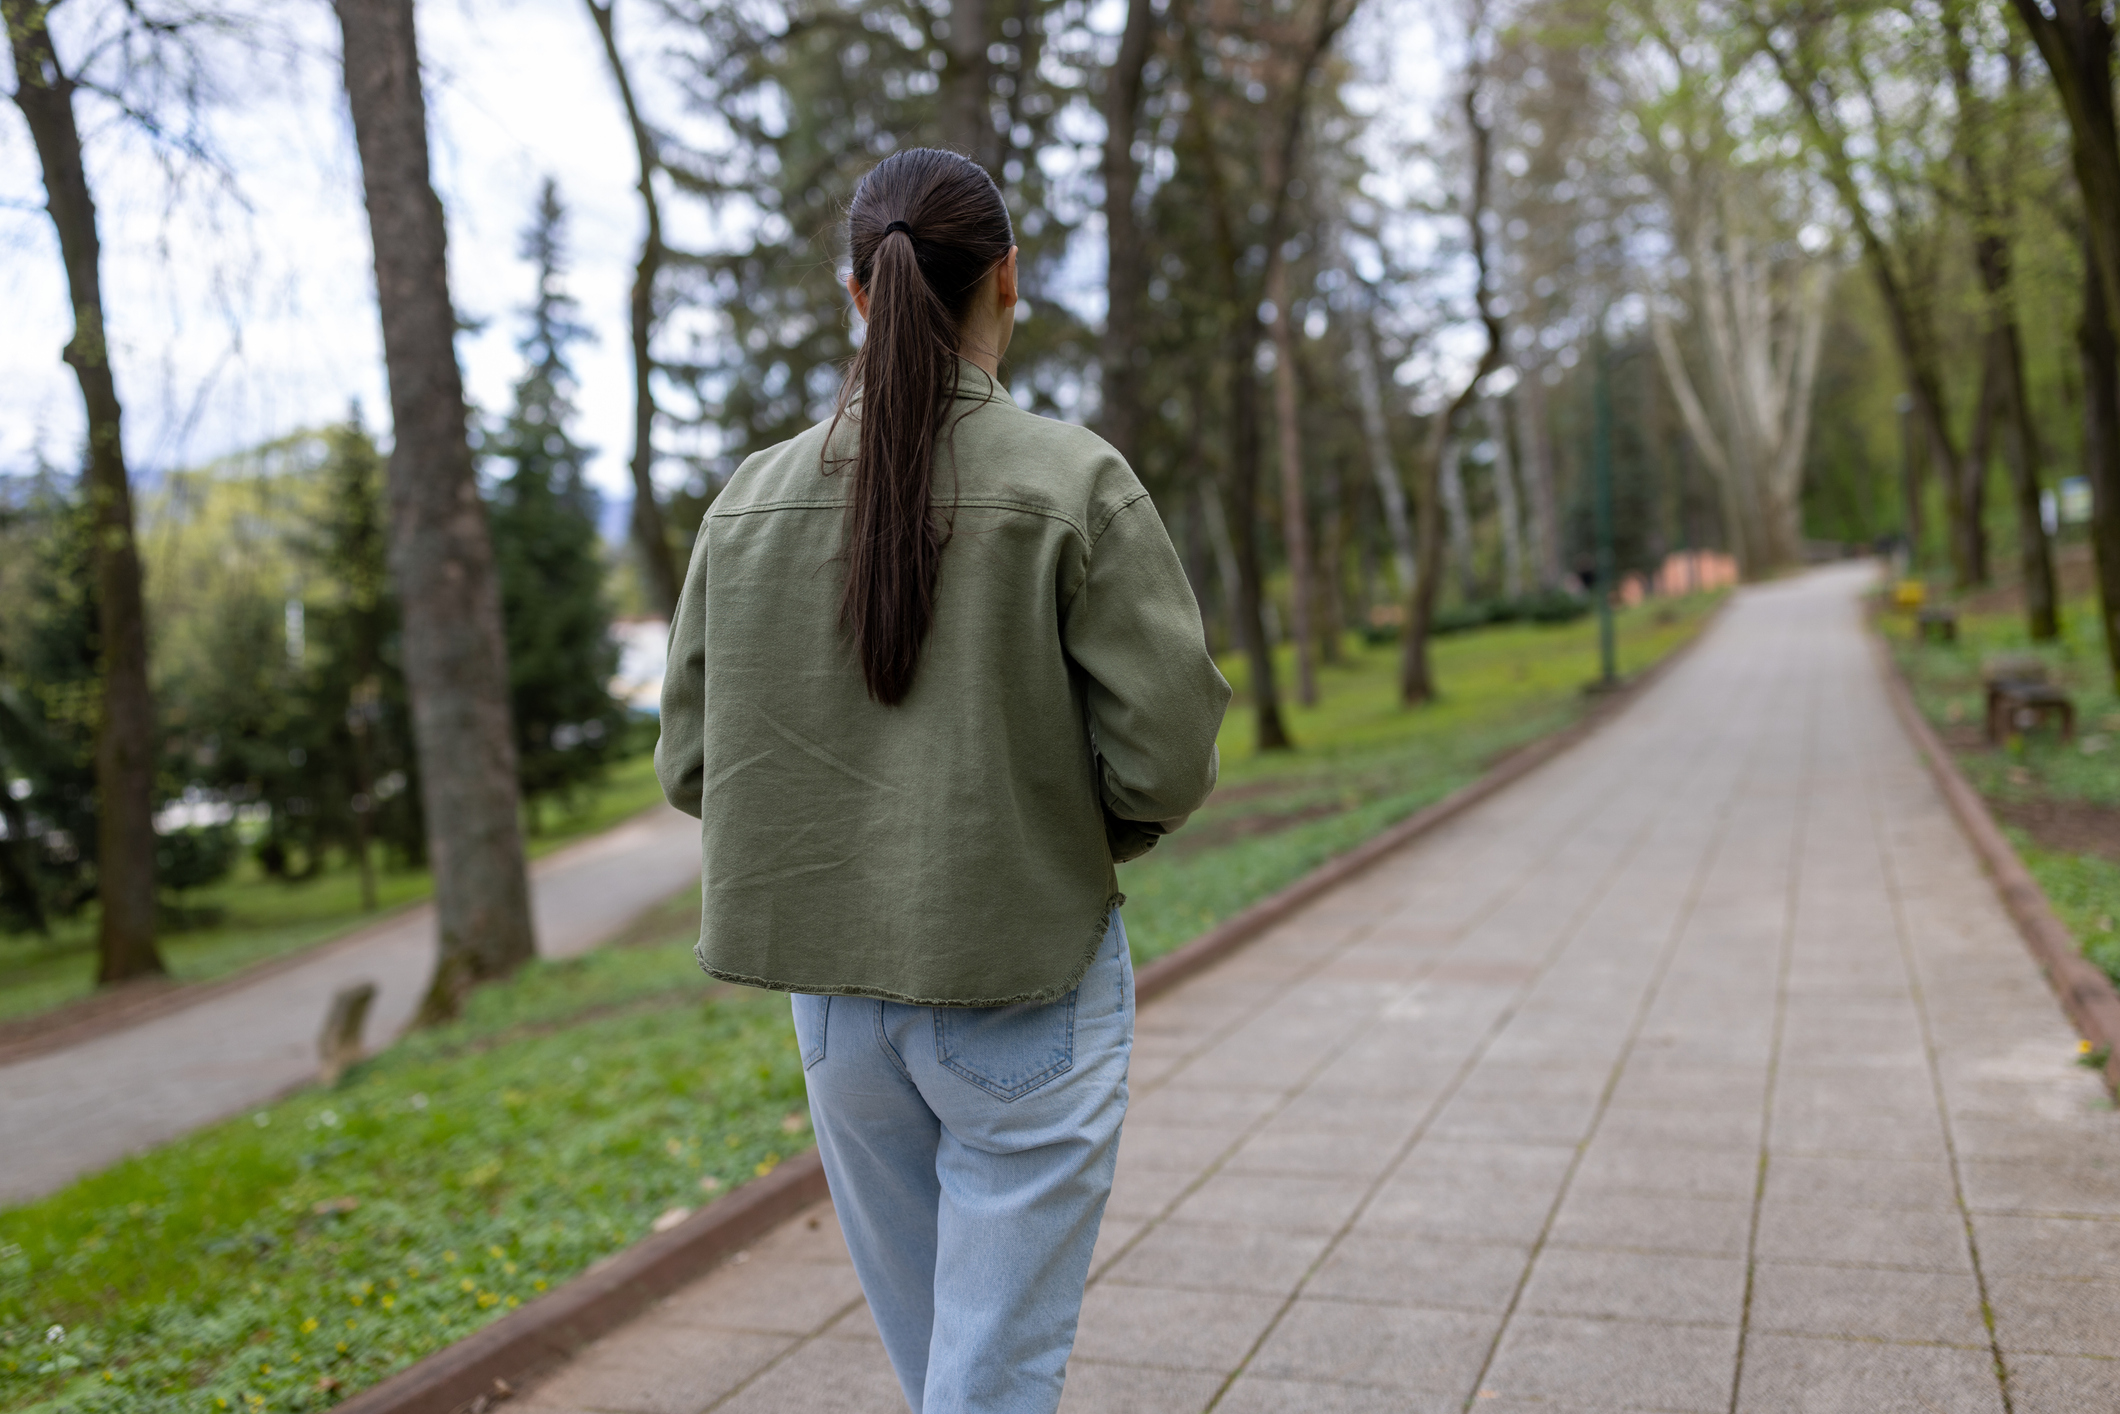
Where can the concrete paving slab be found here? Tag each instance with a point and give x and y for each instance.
(1627, 1363)
(1486, 1127)
(1388, 1347)
(1794, 1375)
(1868, 1303)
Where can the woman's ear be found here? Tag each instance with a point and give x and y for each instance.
(1005, 279)
(861, 296)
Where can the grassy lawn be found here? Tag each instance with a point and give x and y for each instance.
(288, 1257)
(261, 917)
(2058, 802)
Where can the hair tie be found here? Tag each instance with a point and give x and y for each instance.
(899, 226)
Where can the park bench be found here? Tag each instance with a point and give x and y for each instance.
(1937, 621)
(2020, 696)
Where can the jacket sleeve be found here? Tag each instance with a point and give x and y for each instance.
(1155, 696)
(680, 751)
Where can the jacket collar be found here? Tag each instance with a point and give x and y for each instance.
(973, 385)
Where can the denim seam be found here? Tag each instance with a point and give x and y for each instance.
(883, 1040)
(814, 1056)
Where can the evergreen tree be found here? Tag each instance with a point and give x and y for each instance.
(298, 703)
(49, 693)
(359, 714)
(544, 513)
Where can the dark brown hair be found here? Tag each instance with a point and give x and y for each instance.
(924, 229)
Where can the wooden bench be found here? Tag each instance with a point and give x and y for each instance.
(1937, 622)
(2020, 696)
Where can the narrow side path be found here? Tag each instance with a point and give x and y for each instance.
(1700, 1071)
(73, 1110)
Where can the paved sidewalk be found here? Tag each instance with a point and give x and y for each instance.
(1699, 1071)
(70, 1111)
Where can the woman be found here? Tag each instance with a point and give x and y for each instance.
(935, 668)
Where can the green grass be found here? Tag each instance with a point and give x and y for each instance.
(1363, 762)
(344, 1233)
(291, 1256)
(2085, 893)
(2029, 770)
(261, 917)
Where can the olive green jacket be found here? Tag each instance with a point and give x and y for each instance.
(955, 849)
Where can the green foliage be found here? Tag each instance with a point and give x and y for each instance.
(290, 1256)
(50, 702)
(811, 95)
(1548, 606)
(543, 517)
(194, 857)
(277, 660)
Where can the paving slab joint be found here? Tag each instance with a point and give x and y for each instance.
(2085, 992)
(468, 1375)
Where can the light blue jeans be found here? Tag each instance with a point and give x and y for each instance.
(970, 1152)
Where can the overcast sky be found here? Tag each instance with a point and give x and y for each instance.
(238, 317)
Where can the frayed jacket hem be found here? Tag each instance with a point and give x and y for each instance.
(1043, 994)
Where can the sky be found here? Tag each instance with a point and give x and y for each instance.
(239, 314)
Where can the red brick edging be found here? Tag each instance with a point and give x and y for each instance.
(486, 1364)
(2085, 991)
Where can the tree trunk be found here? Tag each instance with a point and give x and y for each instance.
(650, 538)
(1226, 569)
(1126, 275)
(1912, 334)
(2002, 392)
(1295, 513)
(1458, 520)
(1194, 557)
(1505, 501)
(455, 658)
(1332, 554)
(1390, 491)
(2099, 347)
(2020, 449)
(967, 88)
(1967, 485)
(1416, 676)
(1536, 441)
(1242, 394)
(125, 731)
(2077, 45)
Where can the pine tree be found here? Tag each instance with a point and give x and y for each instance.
(354, 685)
(48, 710)
(544, 514)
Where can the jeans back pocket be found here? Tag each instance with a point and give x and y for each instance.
(810, 1015)
(1007, 1051)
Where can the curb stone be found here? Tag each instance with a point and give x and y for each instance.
(486, 1367)
(2085, 992)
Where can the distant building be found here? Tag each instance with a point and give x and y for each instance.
(643, 649)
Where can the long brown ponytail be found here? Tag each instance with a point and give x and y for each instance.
(924, 229)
